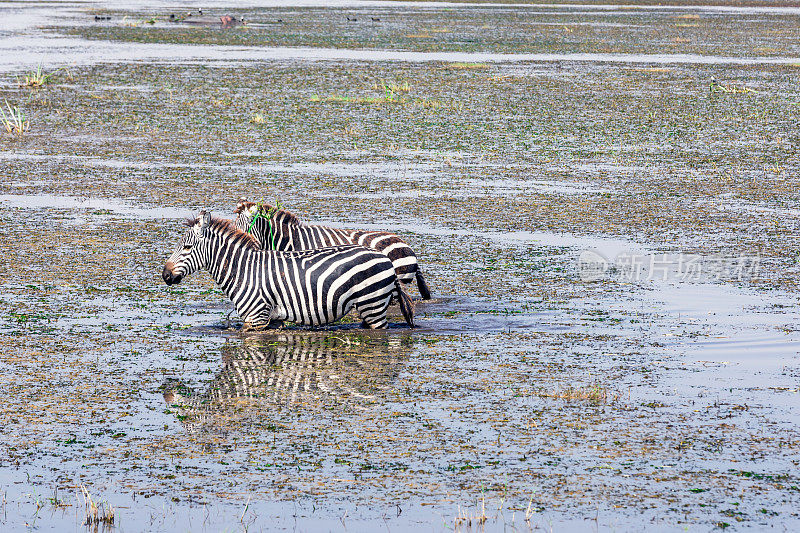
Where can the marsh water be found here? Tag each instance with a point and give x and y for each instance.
(603, 199)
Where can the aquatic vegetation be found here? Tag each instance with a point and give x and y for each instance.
(521, 366)
(595, 393)
(392, 89)
(356, 99)
(391, 93)
(14, 120)
(96, 513)
(466, 66)
(467, 517)
(258, 118)
(130, 23)
(266, 214)
(717, 87)
(36, 78)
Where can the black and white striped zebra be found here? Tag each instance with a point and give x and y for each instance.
(312, 287)
(277, 229)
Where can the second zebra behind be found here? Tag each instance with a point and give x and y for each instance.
(278, 229)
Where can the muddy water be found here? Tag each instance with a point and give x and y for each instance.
(530, 392)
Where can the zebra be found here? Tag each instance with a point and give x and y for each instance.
(278, 229)
(287, 369)
(311, 287)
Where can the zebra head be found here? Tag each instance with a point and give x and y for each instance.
(245, 211)
(270, 225)
(188, 258)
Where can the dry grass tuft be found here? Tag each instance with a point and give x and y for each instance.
(96, 512)
(14, 122)
(258, 118)
(595, 393)
(467, 518)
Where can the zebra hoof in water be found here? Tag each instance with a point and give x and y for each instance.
(274, 325)
(228, 318)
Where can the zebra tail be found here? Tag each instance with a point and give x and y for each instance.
(424, 291)
(406, 305)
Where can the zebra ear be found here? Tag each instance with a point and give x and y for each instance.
(203, 221)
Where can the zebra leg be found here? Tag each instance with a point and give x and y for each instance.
(424, 291)
(259, 320)
(228, 319)
(373, 315)
(406, 304)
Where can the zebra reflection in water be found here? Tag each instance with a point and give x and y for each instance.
(293, 369)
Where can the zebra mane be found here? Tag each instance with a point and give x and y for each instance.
(227, 227)
(263, 209)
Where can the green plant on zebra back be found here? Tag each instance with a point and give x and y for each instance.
(272, 233)
(15, 122)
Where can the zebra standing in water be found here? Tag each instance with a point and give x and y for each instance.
(311, 287)
(277, 229)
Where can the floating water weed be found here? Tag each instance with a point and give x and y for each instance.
(595, 393)
(392, 94)
(467, 66)
(14, 122)
(392, 87)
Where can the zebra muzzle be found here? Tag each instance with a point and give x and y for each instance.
(169, 277)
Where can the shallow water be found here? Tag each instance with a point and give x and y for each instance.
(97, 205)
(579, 402)
(29, 48)
(28, 53)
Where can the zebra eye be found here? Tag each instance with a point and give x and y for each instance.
(187, 247)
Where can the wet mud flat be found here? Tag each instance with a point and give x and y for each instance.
(531, 395)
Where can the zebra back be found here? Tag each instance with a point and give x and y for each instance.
(278, 229)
